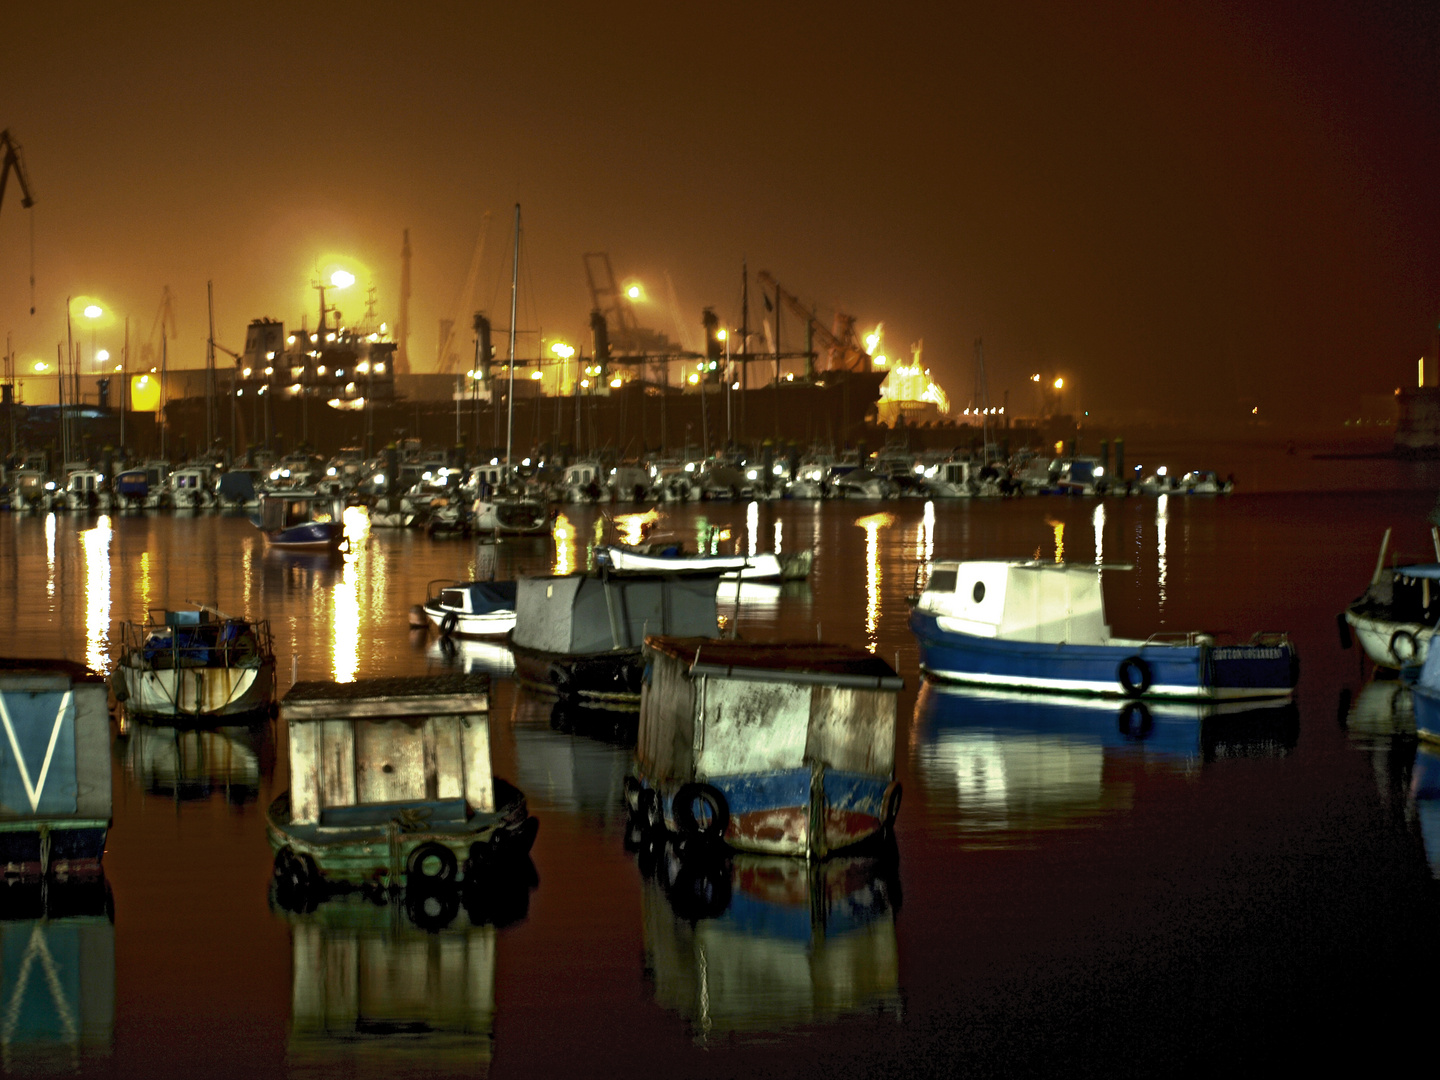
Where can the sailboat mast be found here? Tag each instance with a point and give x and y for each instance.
(510, 393)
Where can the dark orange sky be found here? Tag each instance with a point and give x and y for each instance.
(1182, 208)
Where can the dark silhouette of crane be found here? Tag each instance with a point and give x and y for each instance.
(13, 162)
(841, 342)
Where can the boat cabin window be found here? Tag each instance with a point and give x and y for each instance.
(942, 581)
(453, 598)
(978, 592)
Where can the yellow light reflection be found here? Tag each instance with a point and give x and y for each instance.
(631, 527)
(1162, 518)
(779, 530)
(147, 583)
(752, 528)
(872, 524)
(1098, 520)
(564, 533)
(95, 546)
(925, 535)
(1059, 527)
(50, 555)
(345, 599)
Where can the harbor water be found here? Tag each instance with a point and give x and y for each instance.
(1076, 889)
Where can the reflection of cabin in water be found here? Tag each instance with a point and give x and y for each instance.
(795, 944)
(373, 994)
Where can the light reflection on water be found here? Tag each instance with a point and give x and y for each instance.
(872, 524)
(1162, 564)
(95, 543)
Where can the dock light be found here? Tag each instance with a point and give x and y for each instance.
(363, 367)
(562, 350)
(720, 334)
(585, 384)
(615, 382)
(269, 371)
(778, 469)
(379, 369)
(1099, 470)
(1059, 384)
(288, 341)
(694, 379)
(102, 356)
(537, 375)
(634, 292)
(751, 474)
(246, 373)
(1035, 377)
(380, 478)
(320, 370)
(1161, 471)
(93, 311)
(342, 279)
(39, 365)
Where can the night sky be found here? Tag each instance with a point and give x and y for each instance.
(1186, 210)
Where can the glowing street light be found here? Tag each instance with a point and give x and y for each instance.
(634, 292)
(562, 350)
(1059, 384)
(93, 311)
(102, 356)
(41, 367)
(342, 279)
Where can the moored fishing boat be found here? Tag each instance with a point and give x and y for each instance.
(1022, 623)
(1394, 619)
(194, 666)
(773, 747)
(579, 636)
(471, 608)
(653, 558)
(301, 520)
(391, 786)
(511, 513)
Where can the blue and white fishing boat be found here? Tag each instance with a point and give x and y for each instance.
(301, 520)
(1036, 625)
(471, 608)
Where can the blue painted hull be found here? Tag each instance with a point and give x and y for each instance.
(312, 535)
(775, 812)
(1184, 672)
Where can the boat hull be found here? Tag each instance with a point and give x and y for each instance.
(1390, 643)
(764, 566)
(796, 812)
(607, 680)
(1121, 669)
(486, 625)
(197, 692)
(312, 536)
(378, 851)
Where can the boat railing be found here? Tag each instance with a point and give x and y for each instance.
(221, 643)
(439, 585)
(1191, 638)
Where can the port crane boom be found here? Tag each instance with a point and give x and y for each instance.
(12, 161)
(841, 343)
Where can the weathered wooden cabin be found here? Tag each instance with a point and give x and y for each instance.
(390, 782)
(55, 797)
(785, 748)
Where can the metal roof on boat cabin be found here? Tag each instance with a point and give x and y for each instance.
(1430, 571)
(388, 698)
(780, 658)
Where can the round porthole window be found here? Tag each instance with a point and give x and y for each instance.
(979, 591)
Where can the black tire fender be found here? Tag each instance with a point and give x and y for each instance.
(890, 804)
(444, 869)
(1134, 676)
(448, 624)
(1411, 646)
(688, 822)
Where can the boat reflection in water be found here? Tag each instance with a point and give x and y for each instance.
(1015, 761)
(1425, 789)
(469, 655)
(395, 987)
(756, 943)
(572, 759)
(186, 764)
(57, 975)
(1380, 722)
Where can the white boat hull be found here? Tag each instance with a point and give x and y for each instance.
(198, 692)
(764, 566)
(1389, 643)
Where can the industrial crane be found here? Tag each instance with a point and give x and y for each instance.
(12, 161)
(842, 345)
(445, 362)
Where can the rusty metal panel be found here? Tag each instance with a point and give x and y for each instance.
(751, 727)
(337, 763)
(853, 730)
(443, 760)
(304, 774)
(389, 762)
(475, 758)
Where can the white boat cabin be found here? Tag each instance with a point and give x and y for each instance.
(1018, 601)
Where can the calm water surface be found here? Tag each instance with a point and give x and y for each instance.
(1073, 894)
